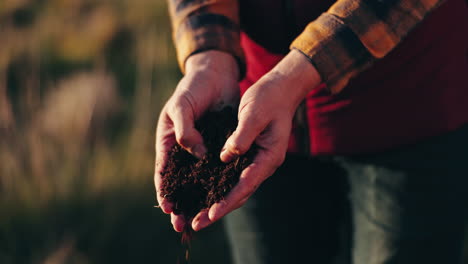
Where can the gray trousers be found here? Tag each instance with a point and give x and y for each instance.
(407, 205)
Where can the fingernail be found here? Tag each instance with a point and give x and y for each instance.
(166, 207)
(212, 215)
(195, 225)
(201, 221)
(166, 210)
(180, 224)
(179, 229)
(199, 151)
(226, 156)
(201, 224)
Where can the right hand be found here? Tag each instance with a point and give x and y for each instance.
(210, 82)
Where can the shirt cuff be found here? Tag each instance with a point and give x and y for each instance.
(334, 49)
(216, 32)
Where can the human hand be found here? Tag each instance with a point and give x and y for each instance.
(265, 117)
(210, 82)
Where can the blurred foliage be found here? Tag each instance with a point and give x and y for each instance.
(81, 86)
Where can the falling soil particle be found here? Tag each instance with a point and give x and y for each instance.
(193, 184)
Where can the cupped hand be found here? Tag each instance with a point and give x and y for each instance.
(210, 83)
(265, 117)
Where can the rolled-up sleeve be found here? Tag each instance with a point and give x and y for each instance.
(352, 34)
(200, 25)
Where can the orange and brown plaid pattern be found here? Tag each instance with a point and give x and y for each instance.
(346, 39)
(342, 42)
(200, 25)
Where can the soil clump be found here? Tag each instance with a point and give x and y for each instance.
(193, 184)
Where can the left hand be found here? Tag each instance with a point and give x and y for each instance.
(265, 117)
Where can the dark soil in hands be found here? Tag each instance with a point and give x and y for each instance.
(193, 184)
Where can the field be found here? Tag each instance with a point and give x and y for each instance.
(81, 86)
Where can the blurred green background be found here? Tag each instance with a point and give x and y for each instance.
(81, 86)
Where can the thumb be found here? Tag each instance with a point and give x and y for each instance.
(186, 134)
(249, 127)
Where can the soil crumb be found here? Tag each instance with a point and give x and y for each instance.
(193, 184)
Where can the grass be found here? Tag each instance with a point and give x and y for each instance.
(81, 86)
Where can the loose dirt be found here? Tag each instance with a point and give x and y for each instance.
(193, 184)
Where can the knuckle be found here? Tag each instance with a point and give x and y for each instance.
(237, 147)
(250, 185)
(176, 108)
(182, 139)
(253, 120)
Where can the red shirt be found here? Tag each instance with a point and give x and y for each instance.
(419, 90)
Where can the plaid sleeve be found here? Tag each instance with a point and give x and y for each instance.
(200, 25)
(352, 34)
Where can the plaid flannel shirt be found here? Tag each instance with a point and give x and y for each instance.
(340, 43)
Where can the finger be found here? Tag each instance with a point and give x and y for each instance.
(178, 222)
(164, 142)
(249, 181)
(161, 158)
(251, 124)
(185, 132)
(264, 165)
(200, 220)
(163, 203)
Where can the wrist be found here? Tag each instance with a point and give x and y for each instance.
(216, 62)
(297, 74)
